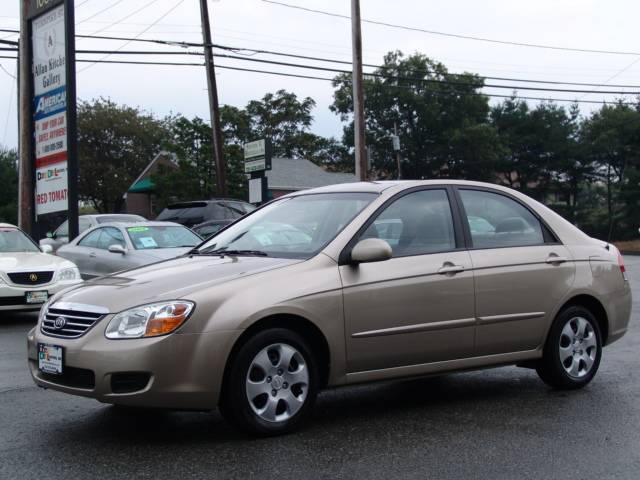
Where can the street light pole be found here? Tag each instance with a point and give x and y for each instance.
(214, 108)
(358, 94)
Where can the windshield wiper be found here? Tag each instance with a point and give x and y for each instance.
(223, 252)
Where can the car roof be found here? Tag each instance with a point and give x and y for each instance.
(146, 223)
(379, 186)
(7, 225)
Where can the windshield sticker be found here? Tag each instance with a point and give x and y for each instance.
(148, 242)
(138, 229)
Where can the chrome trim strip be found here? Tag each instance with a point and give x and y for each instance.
(420, 327)
(511, 316)
(81, 307)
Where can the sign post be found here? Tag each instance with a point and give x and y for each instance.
(53, 110)
(257, 160)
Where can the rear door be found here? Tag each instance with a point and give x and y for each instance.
(521, 271)
(418, 306)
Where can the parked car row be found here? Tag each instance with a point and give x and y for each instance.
(334, 286)
(107, 243)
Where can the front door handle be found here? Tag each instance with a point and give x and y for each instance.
(450, 268)
(92, 255)
(556, 259)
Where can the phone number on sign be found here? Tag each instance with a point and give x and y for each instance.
(55, 196)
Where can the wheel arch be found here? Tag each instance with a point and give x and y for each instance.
(296, 323)
(596, 307)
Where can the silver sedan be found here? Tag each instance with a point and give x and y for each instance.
(109, 248)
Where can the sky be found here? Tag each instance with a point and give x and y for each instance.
(162, 90)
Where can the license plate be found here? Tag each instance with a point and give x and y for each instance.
(37, 297)
(50, 358)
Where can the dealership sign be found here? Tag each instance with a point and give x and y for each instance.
(50, 131)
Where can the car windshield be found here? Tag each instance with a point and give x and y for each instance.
(171, 236)
(294, 227)
(13, 240)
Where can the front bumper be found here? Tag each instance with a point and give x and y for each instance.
(12, 297)
(184, 370)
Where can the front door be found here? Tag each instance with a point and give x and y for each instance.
(418, 306)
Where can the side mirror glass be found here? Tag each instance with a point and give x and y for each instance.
(46, 249)
(371, 250)
(50, 235)
(117, 249)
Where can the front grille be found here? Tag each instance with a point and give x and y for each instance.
(30, 278)
(72, 377)
(65, 323)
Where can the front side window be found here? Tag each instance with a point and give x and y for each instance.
(499, 221)
(110, 236)
(91, 239)
(173, 236)
(294, 227)
(416, 224)
(13, 240)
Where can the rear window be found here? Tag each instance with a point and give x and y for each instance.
(193, 213)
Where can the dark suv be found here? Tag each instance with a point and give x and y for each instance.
(193, 213)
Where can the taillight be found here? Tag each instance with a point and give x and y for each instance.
(623, 269)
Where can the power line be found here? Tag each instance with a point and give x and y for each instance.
(109, 7)
(311, 77)
(455, 35)
(125, 17)
(141, 33)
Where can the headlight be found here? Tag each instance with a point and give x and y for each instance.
(149, 320)
(71, 273)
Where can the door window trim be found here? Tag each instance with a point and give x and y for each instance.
(345, 254)
(548, 235)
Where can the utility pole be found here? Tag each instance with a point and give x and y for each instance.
(396, 147)
(358, 94)
(214, 108)
(26, 195)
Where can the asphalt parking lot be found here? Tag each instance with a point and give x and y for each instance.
(502, 423)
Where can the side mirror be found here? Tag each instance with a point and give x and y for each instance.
(46, 249)
(50, 235)
(117, 249)
(371, 250)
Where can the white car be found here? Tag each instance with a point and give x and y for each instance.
(29, 275)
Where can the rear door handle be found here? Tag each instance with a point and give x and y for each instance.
(555, 259)
(446, 269)
(92, 255)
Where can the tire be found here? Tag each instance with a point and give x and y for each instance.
(573, 350)
(271, 385)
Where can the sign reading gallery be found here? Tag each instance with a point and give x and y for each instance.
(48, 43)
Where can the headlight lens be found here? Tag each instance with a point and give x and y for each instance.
(71, 273)
(149, 320)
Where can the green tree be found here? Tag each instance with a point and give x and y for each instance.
(9, 180)
(441, 119)
(611, 138)
(115, 143)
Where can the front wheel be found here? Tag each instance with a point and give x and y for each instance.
(573, 350)
(272, 383)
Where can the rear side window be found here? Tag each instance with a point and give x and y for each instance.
(416, 224)
(498, 221)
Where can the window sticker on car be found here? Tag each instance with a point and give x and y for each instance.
(137, 229)
(148, 242)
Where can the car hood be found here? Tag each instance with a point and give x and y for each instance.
(31, 261)
(157, 254)
(167, 280)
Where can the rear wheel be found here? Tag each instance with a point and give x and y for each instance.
(272, 383)
(573, 350)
